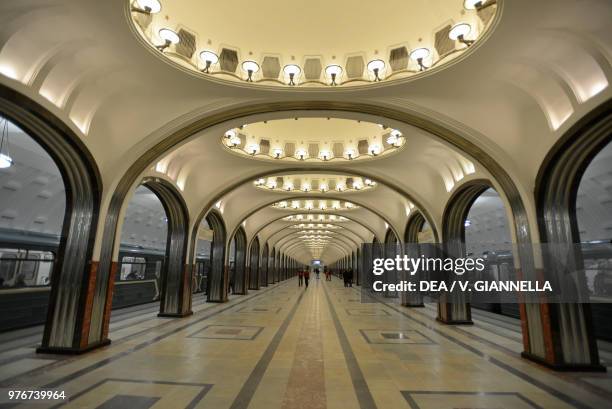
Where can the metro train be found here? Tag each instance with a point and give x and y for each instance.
(26, 265)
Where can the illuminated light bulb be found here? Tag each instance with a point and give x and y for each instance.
(253, 148)
(375, 67)
(209, 58)
(169, 36)
(301, 154)
(277, 152)
(474, 4)
(148, 6)
(350, 153)
(250, 67)
(325, 155)
(306, 187)
(292, 71)
(333, 71)
(374, 149)
(418, 55)
(458, 33)
(234, 141)
(323, 187)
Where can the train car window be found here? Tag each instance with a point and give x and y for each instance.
(8, 267)
(29, 266)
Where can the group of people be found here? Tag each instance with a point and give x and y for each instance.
(304, 276)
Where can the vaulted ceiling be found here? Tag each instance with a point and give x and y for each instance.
(540, 68)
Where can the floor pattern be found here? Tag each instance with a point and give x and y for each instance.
(285, 347)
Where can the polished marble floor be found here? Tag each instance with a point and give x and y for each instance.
(287, 347)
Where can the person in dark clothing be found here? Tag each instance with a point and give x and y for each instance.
(350, 277)
(300, 278)
(345, 277)
(306, 276)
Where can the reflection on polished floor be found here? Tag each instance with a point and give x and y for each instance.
(286, 347)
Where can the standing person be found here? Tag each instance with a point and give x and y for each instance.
(350, 277)
(327, 274)
(317, 273)
(306, 276)
(300, 278)
(345, 277)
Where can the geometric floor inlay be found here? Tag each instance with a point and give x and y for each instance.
(259, 310)
(235, 332)
(467, 400)
(378, 336)
(138, 394)
(370, 312)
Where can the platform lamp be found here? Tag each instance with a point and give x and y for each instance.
(292, 71)
(375, 67)
(169, 36)
(334, 71)
(458, 33)
(250, 67)
(418, 55)
(146, 6)
(209, 58)
(5, 158)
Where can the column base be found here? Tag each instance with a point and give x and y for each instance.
(174, 314)
(218, 301)
(421, 305)
(564, 367)
(72, 351)
(455, 322)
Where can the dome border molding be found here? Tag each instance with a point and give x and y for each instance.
(240, 83)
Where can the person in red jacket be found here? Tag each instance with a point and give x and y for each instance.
(300, 278)
(306, 276)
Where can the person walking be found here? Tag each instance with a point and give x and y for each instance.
(350, 277)
(300, 278)
(306, 276)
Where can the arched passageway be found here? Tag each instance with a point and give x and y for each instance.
(487, 236)
(239, 271)
(142, 251)
(391, 250)
(264, 269)
(176, 281)
(68, 325)
(570, 333)
(218, 277)
(454, 308)
(254, 270)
